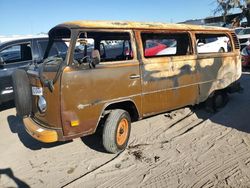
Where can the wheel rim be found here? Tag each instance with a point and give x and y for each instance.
(122, 132)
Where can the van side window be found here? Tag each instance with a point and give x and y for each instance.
(112, 46)
(16, 53)
(212, 43)
(166, 44)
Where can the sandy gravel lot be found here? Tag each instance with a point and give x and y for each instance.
(188, 147)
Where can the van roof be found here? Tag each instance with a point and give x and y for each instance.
(135, 25)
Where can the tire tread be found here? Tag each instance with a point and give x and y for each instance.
(109, 131)
(22, 92)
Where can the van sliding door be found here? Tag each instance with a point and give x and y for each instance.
(169, 75)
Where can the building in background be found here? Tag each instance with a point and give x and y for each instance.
(232, 21)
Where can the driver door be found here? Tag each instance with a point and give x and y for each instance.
(87, 91)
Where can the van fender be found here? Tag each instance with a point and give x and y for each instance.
(126, 104)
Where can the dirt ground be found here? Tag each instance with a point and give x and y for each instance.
(188, 147)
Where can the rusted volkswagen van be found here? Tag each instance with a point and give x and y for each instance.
(114, 73)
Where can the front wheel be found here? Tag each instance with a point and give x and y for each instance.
(22, 92)
(116, 131)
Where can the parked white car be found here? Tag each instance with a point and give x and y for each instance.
(244, 36)
(213, 44)
(238, 29)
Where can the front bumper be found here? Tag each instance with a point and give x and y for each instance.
(6, 95)
(40, 133)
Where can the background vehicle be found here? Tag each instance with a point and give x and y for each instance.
(19, 54)
(238, 29)
(245, 56)
(204, 45)
(212, 44)
(244, 36)
(153, 47)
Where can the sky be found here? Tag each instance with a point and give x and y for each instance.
(23, 17)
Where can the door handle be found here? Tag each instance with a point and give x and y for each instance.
(134, 76)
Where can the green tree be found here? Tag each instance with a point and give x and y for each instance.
(226, 6)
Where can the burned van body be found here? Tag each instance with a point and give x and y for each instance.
(114, 73)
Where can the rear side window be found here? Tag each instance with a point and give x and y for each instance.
(212, 43)
(16, 53)
(165, 44)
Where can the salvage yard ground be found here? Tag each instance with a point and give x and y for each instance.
(188, 147)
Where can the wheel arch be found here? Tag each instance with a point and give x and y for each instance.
(127, 105)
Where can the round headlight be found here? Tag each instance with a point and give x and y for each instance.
(42, 104)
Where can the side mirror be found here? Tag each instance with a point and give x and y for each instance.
(1, 61)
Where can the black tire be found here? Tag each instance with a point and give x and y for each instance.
(110, 131)
(220, 99)
(22, 93)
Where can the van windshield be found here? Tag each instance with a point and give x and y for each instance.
(54, 55)
(57, 46)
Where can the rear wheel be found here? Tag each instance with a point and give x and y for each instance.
(218, 100)
(22, 93)
(116, 131)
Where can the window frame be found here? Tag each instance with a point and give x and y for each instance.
(132, 40)
(189, 34)
(226, 34)
(16, 44)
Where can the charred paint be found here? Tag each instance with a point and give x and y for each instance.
(136, 25)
